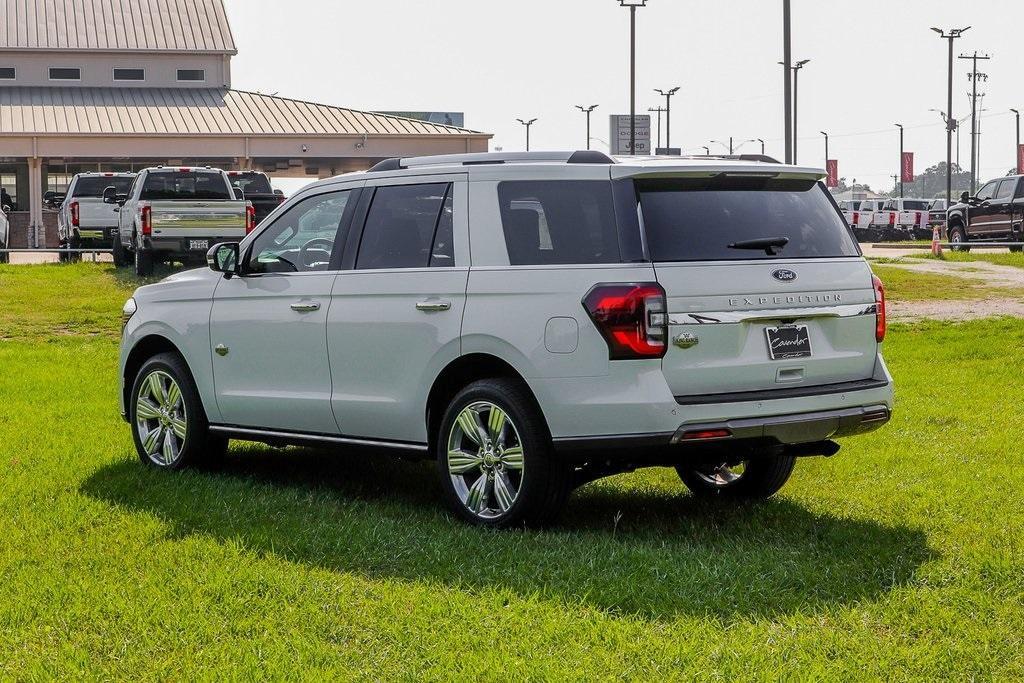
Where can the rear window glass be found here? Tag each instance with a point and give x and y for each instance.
(185, 185)
(251, 183)
(93, 186)
(719, 219)
(914, 205)
(558, 222)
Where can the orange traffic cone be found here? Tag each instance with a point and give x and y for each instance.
(936, 242)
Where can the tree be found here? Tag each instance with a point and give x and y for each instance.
(932, 183)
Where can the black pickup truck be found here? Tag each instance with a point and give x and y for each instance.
(256, 188)
(995, 214)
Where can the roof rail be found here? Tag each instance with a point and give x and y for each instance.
(484, 158)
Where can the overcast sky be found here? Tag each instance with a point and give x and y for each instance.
(873, 63)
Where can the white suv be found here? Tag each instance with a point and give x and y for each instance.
(529, 321)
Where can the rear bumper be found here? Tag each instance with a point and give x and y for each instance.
(190, 244)
(787, 429)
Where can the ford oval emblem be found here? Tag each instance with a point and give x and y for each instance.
(784, 275)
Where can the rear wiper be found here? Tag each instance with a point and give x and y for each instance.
(770, 245)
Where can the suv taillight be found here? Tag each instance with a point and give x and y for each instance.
(250, 218)
(146, 219)
(74, 214)
(880, 314)
(632, 318)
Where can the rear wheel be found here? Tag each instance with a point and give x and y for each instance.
(168, 422)
(121, 257)
(494, 458)
(754, 479)
(4, 256)
(958, 238)
(73, 256)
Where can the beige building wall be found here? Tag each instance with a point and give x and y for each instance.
(97, 68)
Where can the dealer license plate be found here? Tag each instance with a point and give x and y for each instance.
(788, 342)
(199, 244)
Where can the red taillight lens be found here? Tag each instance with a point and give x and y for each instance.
(707, 435)
(632, 318)
(250, 219)
(918, 219)
(856, 217)
(880, 315)
(892, 219)
(74, 214)
(146, 220)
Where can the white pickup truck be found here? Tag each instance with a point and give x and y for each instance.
(5, 233)
(911, 218)
(177, 214)
(84, 220)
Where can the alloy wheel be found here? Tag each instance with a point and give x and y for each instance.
(485, 460)
(161, 418)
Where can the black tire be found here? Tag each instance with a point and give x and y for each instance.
(1016, 250)
(957, 234)
(762, 476)
(121, 256)
(198, 446)
(143, 262)
(4, 256)
(544, 483)
(74, 244)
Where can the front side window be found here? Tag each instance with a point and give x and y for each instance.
(191, 75)
(408, 226)
(559, 222)
(303, 239)
(65, 74)
(185, 185)
(987, 191)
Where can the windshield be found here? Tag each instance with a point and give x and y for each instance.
(185, 185)
(251, 183)
(93, 186)
(734, 218)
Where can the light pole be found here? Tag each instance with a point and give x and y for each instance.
(762, 145)
(826, 147)
(1016, 150)
(587, 111)
(796, 104)
(632, 5)
(668, 112)
(707, 150)
(900, 126)
(952, 35)
(727, 146)
(659, 110)
(787, 61)
(527, 124)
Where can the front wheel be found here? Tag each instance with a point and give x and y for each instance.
(494, 458)
(754, 479)
(958, 239)
(168, 422)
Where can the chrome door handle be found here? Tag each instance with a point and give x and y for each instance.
(306, 306)
(433, 305)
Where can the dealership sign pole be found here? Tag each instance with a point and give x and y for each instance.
(907, 170)
(832, 167)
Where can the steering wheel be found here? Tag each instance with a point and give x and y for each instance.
(322, 248)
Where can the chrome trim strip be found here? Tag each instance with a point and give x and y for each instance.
(314, 438)
(773, 314)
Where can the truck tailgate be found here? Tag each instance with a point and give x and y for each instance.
(198, 218)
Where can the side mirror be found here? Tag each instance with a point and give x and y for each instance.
(110, 195)
(6, 209)
(965, 197)
(279, 193)
(223, 258)
(239, 193)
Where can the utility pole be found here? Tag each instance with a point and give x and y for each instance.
(668, 112)
(895, 181)
(974, 77)
(1016, 149)
(952, 35)
(528, 124)
(900, 126)
(796, 129)
(826, 147)
(632, 5)
(659, 110)
(587, 111)
(787, 62)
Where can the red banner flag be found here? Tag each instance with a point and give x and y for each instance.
(1020, 159)
(832, 168)
(908, 167)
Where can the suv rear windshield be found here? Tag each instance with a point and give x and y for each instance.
(93, 186)
(722, 219)
(251, 183)
(185, 185)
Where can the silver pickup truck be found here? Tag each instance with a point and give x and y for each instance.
(84, 220)
(176, 214)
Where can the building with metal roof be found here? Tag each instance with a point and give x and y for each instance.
(113, 85)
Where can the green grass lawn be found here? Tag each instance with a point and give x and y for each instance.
(902, 284)
(901, 557)
(1016, 260)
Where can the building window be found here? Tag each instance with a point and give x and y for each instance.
(62, 73)
(7, 73)
(129, 74)
(191, 74)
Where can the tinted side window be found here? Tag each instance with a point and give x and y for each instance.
(987, 191)
(1005, 190)
(559, 221)
(443, 253)
(303, 238)
(1020, 190)
(401, 225)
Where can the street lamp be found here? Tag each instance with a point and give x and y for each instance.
(667, 94)
(762, 145)
(826, 146)
(632, 5)
(796, 74)
(587, 111)
(1016, 150)
(900, 126)
(707, 150)
(952, 35)
(527, 124)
